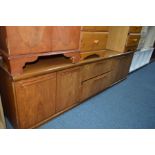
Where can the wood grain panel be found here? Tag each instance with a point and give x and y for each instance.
(121, 67)
(68, 88)
(95, 85)
(133, 40)
(35, 99)
(95, 28)
(38, 39)
(135, 29)
(117, 38)
(94, 69)
(92, 41)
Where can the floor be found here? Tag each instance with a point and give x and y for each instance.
(127, 105)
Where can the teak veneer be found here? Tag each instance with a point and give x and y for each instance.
(53, 85)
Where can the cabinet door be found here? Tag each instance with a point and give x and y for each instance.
(35, 99)
(39, 39)
(68, 88)
(121, 67)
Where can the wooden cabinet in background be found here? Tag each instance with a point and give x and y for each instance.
(22, 44)
(39, 39)
(93, 41)
(123, 38)
(95, 28)
(68, 88)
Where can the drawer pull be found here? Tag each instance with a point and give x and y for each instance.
(96, 41)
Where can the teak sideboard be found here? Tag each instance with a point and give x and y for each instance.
(44, 71)
(53, 85)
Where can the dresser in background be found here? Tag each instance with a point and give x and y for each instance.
(22, 44)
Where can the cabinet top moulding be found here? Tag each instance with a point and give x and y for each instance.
(47, 65)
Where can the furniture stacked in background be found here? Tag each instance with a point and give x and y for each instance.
(51, 83)
(145, 48)
(2, 120)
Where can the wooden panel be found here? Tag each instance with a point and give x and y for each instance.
(121, 67)
(133, 40)
(130, 48)
(35, 99)
(8, 99)
(37, 39)
(3, 39)
(135, 29)
(95, 85)
(92, 41)
(2, 120)
(95, 28)
(94, 69)
(68, 88)
(117, 38)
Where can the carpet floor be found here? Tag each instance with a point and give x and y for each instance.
(129, 104)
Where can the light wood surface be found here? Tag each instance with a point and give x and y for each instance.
(117, 38)
(95, 28)
(92, 41)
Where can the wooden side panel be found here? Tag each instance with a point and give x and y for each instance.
(68, 88)
(92, 41)
(117, 38)
(38, 39)
(121, 67)
(95, 28)
(3, 39)
(35, 99)
(8, 97)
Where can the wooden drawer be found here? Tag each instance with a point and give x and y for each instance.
(95, 28)
(95, 85)
(94, 69)
(91, 41)
(133, 40)
(130, 48)
(135, 29)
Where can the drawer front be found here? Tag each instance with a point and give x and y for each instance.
(135, 29)
(95, 28)
(130, 48)
(94, 69)
(95, 85)
(91, 41)
(133, 40)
